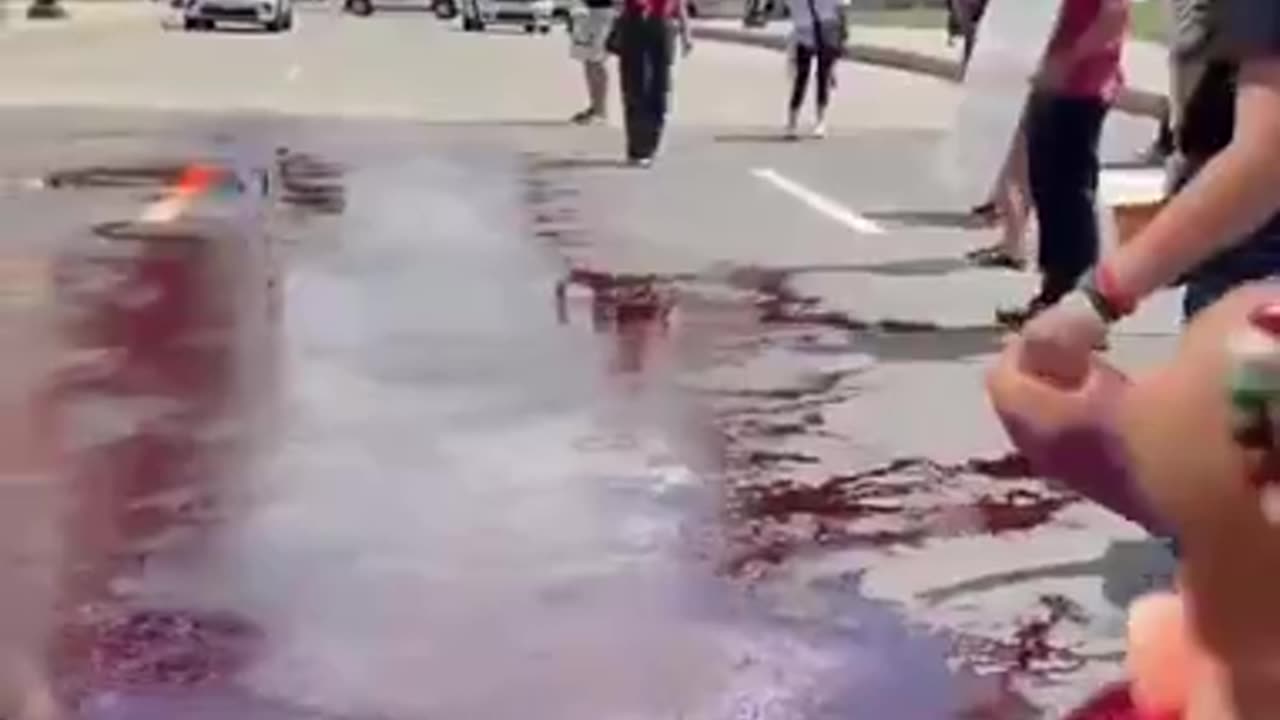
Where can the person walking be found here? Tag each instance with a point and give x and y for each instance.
(818, 33)
(1078, 80)
(592, 21)
(645, 33)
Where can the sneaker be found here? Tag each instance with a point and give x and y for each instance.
(641, 162)
(820, 128)
(793, 129)
(1015, 317)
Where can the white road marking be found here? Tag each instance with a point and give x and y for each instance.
(819, 202)
(293, 73)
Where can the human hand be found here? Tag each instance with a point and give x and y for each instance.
(1177, 423)
(1057, 343)
(686, 44)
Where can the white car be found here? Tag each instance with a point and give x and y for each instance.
(273, 15)
(533, 15)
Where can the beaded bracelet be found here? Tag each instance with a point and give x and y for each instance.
(1254, 391)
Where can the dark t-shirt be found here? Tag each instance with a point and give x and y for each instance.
(598, 4)
(1248, 28)
(1241, 30)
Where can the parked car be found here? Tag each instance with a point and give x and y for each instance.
(273, 15)
(443, 9)
(533, 15)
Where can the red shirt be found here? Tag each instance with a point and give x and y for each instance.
(665, 9)
(1099, 74)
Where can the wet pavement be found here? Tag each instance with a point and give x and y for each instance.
(362, 435)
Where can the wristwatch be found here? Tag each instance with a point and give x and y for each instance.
(1104, 294)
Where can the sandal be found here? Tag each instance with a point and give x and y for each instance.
(995, 257)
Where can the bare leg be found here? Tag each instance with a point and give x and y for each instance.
(1010, 204)
(597, 74)
(1013, 201)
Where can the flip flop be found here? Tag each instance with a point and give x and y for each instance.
(986, 211)
(995, 257)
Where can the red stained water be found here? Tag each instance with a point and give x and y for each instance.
(187, 319)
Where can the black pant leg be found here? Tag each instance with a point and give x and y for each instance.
(827, 58)
(800, 83)
(631, 78)
(1063, 134)
(661, 49)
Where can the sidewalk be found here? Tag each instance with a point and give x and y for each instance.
(926, 51)
(81, 14)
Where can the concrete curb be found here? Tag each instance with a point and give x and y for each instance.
(1135, 101)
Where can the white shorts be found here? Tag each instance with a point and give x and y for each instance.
(590, 31)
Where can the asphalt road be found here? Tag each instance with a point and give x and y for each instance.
(434, 410)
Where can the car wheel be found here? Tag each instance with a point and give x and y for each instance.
(363, 8)
(286, 23)
(445, 9)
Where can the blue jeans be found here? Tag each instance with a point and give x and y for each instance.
(1204, 290)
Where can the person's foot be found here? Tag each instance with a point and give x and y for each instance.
(1015, 317)
(587, 117)
(792, 131)
(995, 257)
(820, 128)
(1155, 155)
(640, 162)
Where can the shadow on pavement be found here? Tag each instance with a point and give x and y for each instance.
(940, 345)
(765, 137)
(902, 268)
(1128, 569)
(929, 218)
(582, 163)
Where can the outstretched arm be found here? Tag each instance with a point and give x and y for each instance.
(1232, 196)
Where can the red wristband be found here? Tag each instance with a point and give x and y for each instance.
(1105, 281)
